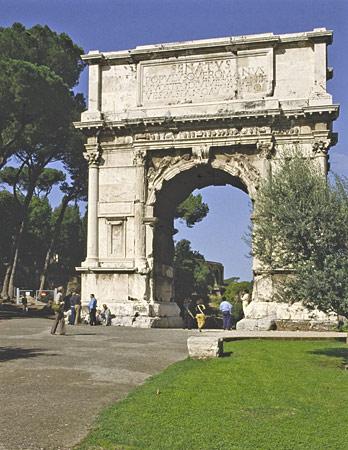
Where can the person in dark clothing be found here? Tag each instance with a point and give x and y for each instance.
(59, 320)
(74, 300)
(25, 303)
(77, 309)
(67, 302)
(188, 314)
(92, 306)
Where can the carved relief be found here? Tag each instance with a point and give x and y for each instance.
(201, 153)
(293, 131)
(266, 149)
(239, 166)
(236, 164)
(158, 166)
(202, 134)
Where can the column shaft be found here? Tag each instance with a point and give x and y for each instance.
(140, 235)
(92, 230)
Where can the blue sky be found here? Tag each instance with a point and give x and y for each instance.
(121, 24)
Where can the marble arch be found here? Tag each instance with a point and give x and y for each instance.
(222, 110)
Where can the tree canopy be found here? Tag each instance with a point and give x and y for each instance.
(192, 210)
(38, 69)
(301, 224)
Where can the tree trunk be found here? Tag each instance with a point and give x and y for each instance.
(55, 234)
(8, 285)
(4, 291)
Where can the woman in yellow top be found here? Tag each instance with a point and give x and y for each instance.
(200, 314)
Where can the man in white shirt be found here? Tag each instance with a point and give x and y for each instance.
(226, 309)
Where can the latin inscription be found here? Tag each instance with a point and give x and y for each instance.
(201, 81)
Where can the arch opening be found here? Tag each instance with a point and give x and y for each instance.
(171, 194)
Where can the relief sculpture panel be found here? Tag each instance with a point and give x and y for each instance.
(214, 78)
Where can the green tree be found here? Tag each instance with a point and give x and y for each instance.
(38, 70)
(23, 193)
(232, 294)
(34, 243)
(69, 245)
(192, 210)
(74, 189)
(301, 224)
(191, 272)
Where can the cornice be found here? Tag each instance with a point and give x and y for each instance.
(307, 111)
(202, 46)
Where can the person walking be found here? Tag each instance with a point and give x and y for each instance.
(59, 322)
(226, 309)
(200, 314)
(92, 306)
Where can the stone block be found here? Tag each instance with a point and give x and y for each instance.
(201, 347)
(264, 324)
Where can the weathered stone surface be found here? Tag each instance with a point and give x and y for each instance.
(201, 347)
(211, 346)
(264, 324)
(163, 120)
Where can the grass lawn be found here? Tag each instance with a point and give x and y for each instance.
(266, 395)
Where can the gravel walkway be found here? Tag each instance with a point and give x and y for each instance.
(52, 387)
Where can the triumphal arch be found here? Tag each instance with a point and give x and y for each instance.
(165, 119)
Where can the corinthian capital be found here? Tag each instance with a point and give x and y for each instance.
(93, 154)
(321, 147)
(139, 157)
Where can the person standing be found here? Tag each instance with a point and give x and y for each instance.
(67, 302)
(77, 309)
(226, 309)
(72, 309)
(200, 314)
(188, 314)
(92, 306)
(59, 320)
(59, 296)
(25, 303)
(106, 315)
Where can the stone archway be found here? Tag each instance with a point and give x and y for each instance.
(182, 175)
(225, 110)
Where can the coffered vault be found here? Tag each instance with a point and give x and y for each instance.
(165, 119)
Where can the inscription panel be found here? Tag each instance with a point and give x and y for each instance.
(247, 74)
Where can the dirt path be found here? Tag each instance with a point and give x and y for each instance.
(52, 387)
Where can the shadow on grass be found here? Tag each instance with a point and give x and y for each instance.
(10, 353)
(335, 352)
